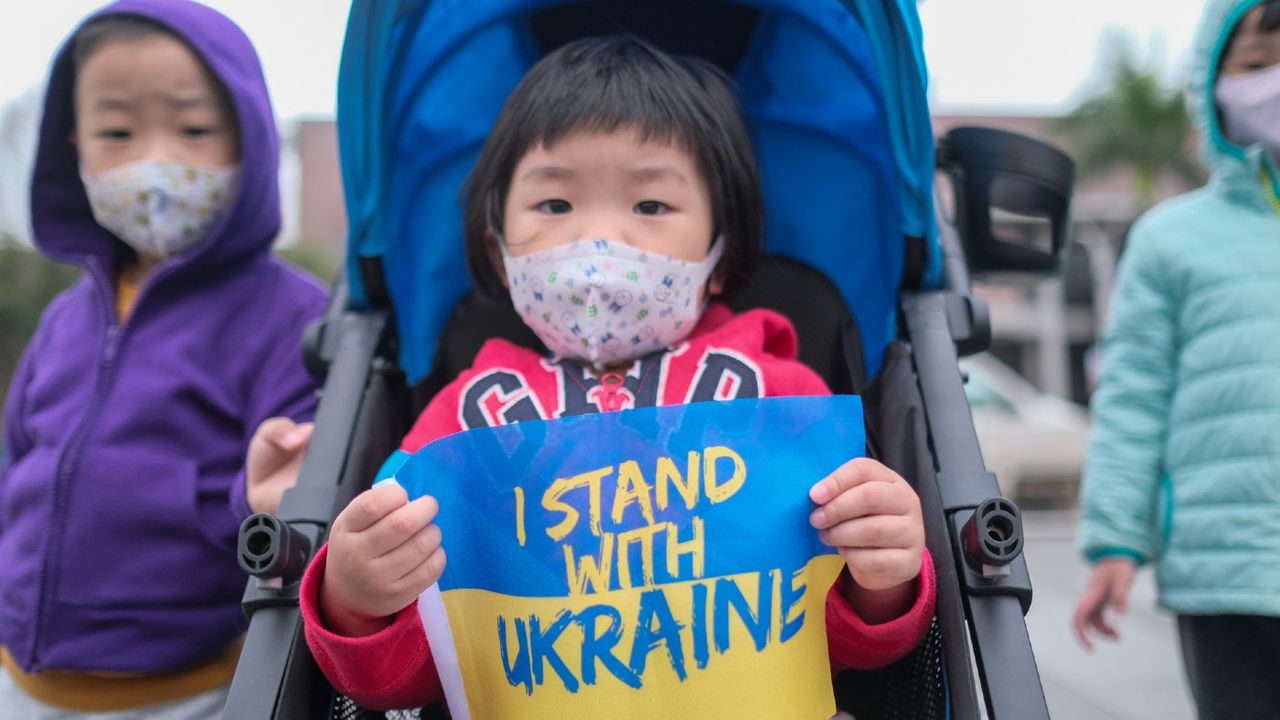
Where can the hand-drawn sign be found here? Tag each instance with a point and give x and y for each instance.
(647, 563)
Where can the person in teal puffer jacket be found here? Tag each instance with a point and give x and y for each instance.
(1183, 468)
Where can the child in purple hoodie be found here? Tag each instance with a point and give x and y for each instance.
(130, 414)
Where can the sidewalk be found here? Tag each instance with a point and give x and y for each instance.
(1136, 679)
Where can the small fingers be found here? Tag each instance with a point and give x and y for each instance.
(265, 451)
(876, 497)
(1100, 623)
(849, 475)
(274, 430)
(298, 437)
(424, 575)
(1080, 618)
(371, 506)
(400, 525)
(1091, 612)
(401, 560)
(874, 531)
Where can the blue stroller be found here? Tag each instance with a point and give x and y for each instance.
(834, 93)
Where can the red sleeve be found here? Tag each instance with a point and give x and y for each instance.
(853, 643)
(390, 669)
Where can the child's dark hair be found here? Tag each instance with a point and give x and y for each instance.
(1269, 22)
(113, 27)
(611, 83)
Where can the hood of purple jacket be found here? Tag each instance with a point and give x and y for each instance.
(60, 214)
(122, 487)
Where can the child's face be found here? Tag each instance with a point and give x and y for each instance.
(151, 98)
(1251, 48)
(649, 195)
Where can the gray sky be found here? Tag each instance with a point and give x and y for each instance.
(1025, 54)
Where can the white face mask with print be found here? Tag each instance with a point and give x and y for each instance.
(1250, 106)
(160, 209)
(604, 302)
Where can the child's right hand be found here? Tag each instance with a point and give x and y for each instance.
(384, 551)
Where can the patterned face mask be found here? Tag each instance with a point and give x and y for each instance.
(160, 209)
(604, 302)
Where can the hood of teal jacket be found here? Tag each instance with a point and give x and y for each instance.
(1236, 169)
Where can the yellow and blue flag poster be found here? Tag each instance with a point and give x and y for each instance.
(649, 563)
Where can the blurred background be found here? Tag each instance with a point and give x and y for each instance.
(1101, 79)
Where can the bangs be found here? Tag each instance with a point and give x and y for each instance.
(607, 88)
(1270, 21)
(113, 27)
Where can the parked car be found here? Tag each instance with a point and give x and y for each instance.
(1033, 442)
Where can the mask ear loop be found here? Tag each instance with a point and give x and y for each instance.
(716, 242)
(492, 223)
(491, 217)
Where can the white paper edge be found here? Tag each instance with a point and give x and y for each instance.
(436, 622)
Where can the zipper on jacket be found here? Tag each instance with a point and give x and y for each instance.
(68, 464)
(110, 345)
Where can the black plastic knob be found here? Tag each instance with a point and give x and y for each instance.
(269, 548)
(992, 537)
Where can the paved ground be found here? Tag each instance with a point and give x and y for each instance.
(1137, 678)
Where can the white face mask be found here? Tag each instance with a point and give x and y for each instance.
(160, 209)
(1250, 106)
(604, 302)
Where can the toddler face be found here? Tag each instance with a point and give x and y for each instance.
(151, 98)
(649, 195)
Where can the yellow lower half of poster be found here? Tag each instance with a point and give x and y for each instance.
(741, 646)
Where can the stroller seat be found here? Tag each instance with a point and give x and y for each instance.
(834, 96)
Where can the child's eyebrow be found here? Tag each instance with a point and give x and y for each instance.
(661, 172)
(109, 103)
(194, 101)
(179, 103)
(548, 172)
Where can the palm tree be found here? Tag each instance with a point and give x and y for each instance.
(1134, 123)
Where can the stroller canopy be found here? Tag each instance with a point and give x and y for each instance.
(834, 94)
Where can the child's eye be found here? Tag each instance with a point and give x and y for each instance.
(652, 207)
(196, 132)
(115, 134)
(555, 207)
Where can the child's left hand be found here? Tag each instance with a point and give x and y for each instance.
(273, 462)
(872, 516)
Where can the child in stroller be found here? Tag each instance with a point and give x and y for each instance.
(619, 169)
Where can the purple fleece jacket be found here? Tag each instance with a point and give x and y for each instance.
(123, 486)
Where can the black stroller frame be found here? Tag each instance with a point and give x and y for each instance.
(973, 534)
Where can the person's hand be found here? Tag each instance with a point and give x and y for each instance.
(872, 516)
(275, 456)
(384, 551)
(1108, 587)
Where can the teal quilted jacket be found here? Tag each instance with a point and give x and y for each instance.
(1184, 460)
